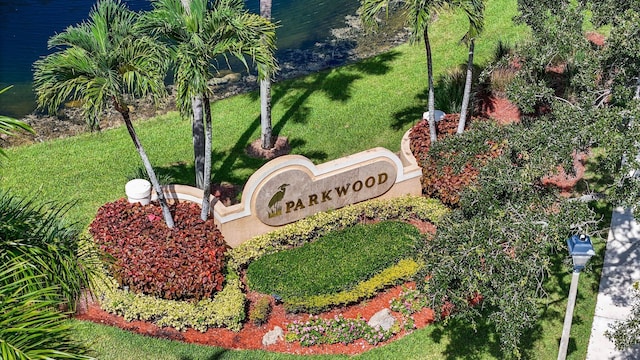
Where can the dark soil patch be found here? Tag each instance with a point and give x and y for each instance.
(280, 147)
(226, 193)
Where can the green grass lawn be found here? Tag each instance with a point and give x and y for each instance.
(325, 115)
(295, 273)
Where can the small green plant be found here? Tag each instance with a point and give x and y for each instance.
(338, 330)
(259, 315)
(409, 302)
(449, 91)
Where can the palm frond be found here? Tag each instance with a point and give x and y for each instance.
(9, 126)
(50, 249)
(30, 325)
(101, 60)
(370, 10)
(207, 32)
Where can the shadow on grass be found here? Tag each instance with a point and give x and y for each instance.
(336, 84)
(483, 339)
(448, 92)
(218, 355)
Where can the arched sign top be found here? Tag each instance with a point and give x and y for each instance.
(295, 192)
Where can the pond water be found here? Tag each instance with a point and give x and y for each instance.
(26, 25)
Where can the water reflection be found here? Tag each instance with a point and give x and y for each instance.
(25, 27)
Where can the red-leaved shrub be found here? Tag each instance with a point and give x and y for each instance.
(439, 179)
(182, 263)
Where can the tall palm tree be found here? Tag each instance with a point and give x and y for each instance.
(266, 135)
(417, 14)
(199, 32)
(474, 9)
(101, 61)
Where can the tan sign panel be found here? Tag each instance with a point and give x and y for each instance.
(294, 193)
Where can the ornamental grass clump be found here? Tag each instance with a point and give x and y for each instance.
(183, 263)
(338, 330)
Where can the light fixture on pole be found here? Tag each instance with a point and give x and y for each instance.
(581, 250)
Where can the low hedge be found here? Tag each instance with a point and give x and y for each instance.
(313, 227)
(337, 261)
(402, 271)
(226, 309)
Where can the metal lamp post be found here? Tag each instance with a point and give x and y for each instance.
(581, 250)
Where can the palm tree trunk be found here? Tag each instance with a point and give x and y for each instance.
(265, 92)
(204, 214)
(467, 89)
(124, 111)
(197, 126)
(197, 129)
(431, 106)
(265, 114)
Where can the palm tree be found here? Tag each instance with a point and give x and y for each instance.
(266, 135)
(30, 325)
(199, 31)
(8, 125)
(417, 14)
(36, 235)
(43, 264)
(474, 9)
(102, 61)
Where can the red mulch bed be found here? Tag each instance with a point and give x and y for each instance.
(501, 109)
(250, 337)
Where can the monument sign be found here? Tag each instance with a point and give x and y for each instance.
(291, 187)
(295, 192)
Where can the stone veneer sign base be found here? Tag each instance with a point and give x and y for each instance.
(291, 187)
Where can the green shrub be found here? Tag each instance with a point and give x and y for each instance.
(453, 163)
(226, 309)
(402, 271)
(261, 310)
(449, 90)
(313, 227)
(337, 261)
